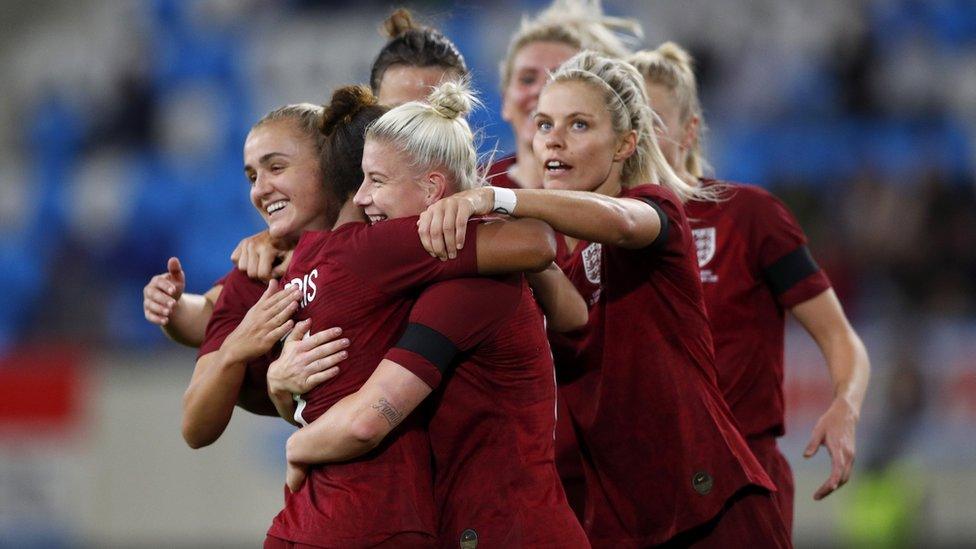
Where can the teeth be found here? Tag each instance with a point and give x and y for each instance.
(554, 165)
(275, 206)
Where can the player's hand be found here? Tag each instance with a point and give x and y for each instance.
(264, 324)
(442, 226)
(261, 257)
(305, 362)
(835, 430)
(162, 295)
(295, 476)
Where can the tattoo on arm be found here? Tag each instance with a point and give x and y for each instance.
(388, 411)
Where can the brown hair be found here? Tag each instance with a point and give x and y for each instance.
(343, 129)
(414, 45)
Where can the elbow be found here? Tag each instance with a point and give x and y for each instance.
(366, 433)
(578, 320)
(195, 438)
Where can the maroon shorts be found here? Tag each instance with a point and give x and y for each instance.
(569, 464)
(775, 464)
(405, 540)
(750, 518)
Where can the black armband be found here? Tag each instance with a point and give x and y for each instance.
(662, 236)
(790, 269)
(430, 344)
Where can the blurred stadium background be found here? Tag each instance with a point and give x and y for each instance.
(121, 127)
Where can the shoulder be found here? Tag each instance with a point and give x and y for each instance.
(660, 197)
(237, 283)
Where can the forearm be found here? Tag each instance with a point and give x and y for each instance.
(209, 400)
(188, 321)
(844, 352)
(565, 309)
(332, 436)
(590, 216)
(284, 404)
(849, 367)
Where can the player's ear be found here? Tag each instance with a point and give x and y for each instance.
(435, 187)
(626, 146)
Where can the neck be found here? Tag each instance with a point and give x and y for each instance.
(525, 171)
(611, 186)
(349, 213)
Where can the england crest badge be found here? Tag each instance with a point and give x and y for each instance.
(705, 244)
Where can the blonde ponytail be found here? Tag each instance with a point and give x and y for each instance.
(672, 67)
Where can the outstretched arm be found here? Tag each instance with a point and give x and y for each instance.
(623, 222)
(182, 317)
(847, 361)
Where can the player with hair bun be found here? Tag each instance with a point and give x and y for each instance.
(755, 265)
(414, 61)
(663, 459)
(538, 47)
(283, 163)
(479, 345)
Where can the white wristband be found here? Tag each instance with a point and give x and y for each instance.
(504, 201)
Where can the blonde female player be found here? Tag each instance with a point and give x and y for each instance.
(538, 47)
(664, 461)
(367, 277)
(414, 60)
(755, 265)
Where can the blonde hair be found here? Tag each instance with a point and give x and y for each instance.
(672, 67)
(579, 24)
(435, 134)
(625, 97)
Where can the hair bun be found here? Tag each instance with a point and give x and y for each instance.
(346, 102)
(399, 23)
(674, 53)
(452, 99)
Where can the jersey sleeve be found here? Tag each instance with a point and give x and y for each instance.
(389, 255)
(451, 318)
(240, 293)
(787, 267)
(671, 213)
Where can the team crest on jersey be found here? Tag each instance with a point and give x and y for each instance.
(705, 244)
(592, 262)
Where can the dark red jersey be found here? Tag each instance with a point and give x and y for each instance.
(492, 429)
(754, 264)
(661, 451)
(238, 295)
(364, 279)
(497, 175)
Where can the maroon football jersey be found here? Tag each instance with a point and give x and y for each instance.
(364, 279)
(497, 175)
(238, 295)
(754, 264)
(661, 452)
(492, 428)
